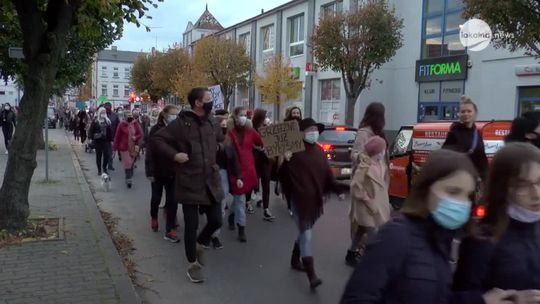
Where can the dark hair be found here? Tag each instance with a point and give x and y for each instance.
(221, 112)
(520, 128)
(259, 115)
(237, 110)
(196, 94)
(374, 118)
(439, 165)
(288, 113)
(532, 115)
(166, 110)
(505, 169)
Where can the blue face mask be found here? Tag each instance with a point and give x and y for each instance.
(452, 214)
(311, 137)
(169, 119)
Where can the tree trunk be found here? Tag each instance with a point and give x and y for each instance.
(41, 141)
(349, 113)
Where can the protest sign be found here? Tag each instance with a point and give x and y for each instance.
(217, 96)
(282, 137)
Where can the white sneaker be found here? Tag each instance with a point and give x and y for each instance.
(6, 152)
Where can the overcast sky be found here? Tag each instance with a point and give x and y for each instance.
(171, 17)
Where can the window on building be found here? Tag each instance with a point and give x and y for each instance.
(440, 30)
(115, 90)
(115, 72)
(267, 38)
(330, 99)
(11, 92)
(104, 71)
(331, 8)
(104, 90)
(296, 35)
(245, 40)
(126, 91)
(2, 92)
(127, 73)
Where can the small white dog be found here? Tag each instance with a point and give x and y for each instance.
(105, 182)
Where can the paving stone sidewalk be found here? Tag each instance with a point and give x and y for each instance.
(84, 267)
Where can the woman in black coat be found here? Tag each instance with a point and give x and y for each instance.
(503, 251)
(407, 261)
(101, 133)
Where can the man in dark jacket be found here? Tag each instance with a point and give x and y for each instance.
(192, 142)
(8, 123)
(114, 124)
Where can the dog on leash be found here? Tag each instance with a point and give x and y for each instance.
(105, 182)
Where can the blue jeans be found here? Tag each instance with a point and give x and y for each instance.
(239, 209)
(225, 186)
(304, 238)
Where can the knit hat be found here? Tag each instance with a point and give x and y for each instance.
(375, 145)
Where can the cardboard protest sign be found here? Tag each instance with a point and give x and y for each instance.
(217, 96)
(282, 137)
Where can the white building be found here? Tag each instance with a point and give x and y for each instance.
(503, 84)
(10, 93)
(206, 25)
(111, 72)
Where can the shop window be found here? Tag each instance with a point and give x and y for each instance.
(434, 6)
(330, 99)
(433, 26)
(453, 21)
(529, 99)
(454, 5)
(453, 46)
(442, 19)
(432, 47)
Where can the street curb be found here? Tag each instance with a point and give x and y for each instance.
(125, 290)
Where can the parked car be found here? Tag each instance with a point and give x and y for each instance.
(52, 118)
(337, 143)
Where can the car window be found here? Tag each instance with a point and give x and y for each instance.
(50, 111)
(346, 136)
(401, 143)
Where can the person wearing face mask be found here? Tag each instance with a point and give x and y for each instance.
(101, 133)
(243, 138)
(160, 172)
(464, 137)
(192, 142)
(8, 122)
(503, 249)
(126, 142)
(370, 205)
(524, 130)
(307, 175)
(407, 260)
(113, 117)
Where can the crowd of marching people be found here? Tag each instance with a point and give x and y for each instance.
(213, 162)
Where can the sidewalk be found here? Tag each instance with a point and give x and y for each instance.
(84, 266)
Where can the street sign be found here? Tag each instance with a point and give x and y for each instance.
(16, 53)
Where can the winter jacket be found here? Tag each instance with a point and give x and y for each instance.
(100, 131)
(308, 177)
(156, 166)
(122, 137)
(370, 205)
(8, 119)
(197, 180)
(244, 151)
(511, 263)
(460, 139)
(407, 261)
(114, 122)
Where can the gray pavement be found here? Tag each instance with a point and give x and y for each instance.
(255, 272)
(84, 266)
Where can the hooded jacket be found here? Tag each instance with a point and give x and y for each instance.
(460, 139)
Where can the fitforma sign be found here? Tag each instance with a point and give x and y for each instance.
(443, 68)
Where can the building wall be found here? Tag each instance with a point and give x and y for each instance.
(104, 75)
(9, 93)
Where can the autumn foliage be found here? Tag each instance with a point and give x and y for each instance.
(278, 85)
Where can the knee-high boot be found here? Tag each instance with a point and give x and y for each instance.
(314, 281)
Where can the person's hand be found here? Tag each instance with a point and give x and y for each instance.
(181, 158)
(239, 183)
(527, 297)
(288, 155)
(151, 179)
(341, 197)
(499, 296)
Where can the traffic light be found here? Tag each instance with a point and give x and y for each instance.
(132, 97)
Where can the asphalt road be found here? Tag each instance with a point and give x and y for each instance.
(255, 272)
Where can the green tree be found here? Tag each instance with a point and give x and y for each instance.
(355, 43)
(48, 31)
(141, 75)
(225, 62)
(518, 20)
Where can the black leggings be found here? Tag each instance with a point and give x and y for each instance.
(8, 132)
(191, 222)
(170, 204)
(82, 134)
(103, 154)
(264, 171)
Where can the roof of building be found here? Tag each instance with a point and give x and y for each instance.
(207, 21)
(118, 56)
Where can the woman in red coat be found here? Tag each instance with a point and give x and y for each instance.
(126, 142)
(244, 138)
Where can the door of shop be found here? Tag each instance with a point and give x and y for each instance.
(432, 111)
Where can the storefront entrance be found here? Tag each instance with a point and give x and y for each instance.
(431, 111)
(529, 99)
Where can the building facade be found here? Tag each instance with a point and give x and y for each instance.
(422, 82)
(111, 72)
(206, 25)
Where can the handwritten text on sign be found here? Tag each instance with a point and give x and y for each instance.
(282, 137)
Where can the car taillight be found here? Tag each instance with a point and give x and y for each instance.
(327, 147)
(479, 211)
(340, 129)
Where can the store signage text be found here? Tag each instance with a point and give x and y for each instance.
(525, 70)
(440, 69)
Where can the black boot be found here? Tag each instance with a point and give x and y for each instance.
(351, 258)
(231, 221)
(296, 264)
(242, 234)
(314, 281)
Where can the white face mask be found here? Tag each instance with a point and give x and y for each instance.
(523, 215)
(7, 108)
(267, 121)
(242, 120)
(311, 137)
